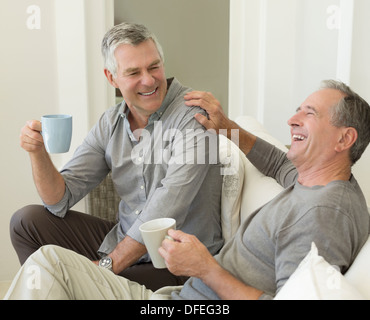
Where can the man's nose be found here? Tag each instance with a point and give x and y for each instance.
(295, 120)
(147, 79)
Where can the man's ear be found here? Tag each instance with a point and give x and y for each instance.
(110, 78)
(348, 138)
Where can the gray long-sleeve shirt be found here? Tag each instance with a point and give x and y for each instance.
(271, 243)
(171, 171)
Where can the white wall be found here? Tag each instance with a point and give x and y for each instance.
(28, 89)
(280, 51)
(360, 79)
(83, 90)
(54, 69)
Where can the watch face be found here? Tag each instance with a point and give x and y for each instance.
(105, 262)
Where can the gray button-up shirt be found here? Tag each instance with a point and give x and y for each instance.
(172, 170)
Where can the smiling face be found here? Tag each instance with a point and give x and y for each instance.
(140, 77)
(315, 141)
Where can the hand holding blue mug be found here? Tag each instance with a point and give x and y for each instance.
(57, 132)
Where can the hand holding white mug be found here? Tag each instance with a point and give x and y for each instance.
(185, 255)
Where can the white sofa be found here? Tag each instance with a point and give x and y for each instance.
(246, 189)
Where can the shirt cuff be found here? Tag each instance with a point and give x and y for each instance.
(60, 209)
(134, 231)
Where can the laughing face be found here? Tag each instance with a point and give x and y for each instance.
(314, 139)
(140, 77)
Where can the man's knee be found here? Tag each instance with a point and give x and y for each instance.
(50, 253)
(25, 217)
(24, 230)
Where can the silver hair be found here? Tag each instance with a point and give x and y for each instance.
(351, 111)
(125, 33)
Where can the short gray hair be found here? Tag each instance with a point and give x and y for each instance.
(351, 111)
(125, 33)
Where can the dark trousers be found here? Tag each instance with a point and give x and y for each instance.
(33, 226)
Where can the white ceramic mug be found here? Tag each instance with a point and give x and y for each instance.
(57, 132)
(153, 233)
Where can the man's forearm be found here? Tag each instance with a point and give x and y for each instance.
(126, 253)
(49, 182)
(187, 256)
(227, 287)
(246, 139)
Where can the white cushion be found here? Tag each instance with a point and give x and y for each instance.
(244, 188)
(233, 170)
(258, 189)
(316, 279)
(358, 274)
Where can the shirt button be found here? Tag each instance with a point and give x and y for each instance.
(142, 187)
(137, 212)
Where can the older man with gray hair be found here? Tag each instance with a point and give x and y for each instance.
(125, 142)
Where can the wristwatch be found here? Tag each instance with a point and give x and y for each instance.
(106, 262)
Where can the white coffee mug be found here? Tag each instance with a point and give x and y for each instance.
(153, 233)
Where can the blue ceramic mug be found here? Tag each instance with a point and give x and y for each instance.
(57, 132)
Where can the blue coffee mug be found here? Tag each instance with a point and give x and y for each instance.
(57, 132)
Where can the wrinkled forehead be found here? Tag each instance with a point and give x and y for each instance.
(323, 100)
(136, 56)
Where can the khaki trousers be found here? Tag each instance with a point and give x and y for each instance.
(33, 227)
(56, 273)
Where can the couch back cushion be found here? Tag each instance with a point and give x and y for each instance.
(257, 188)
(233, 179)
